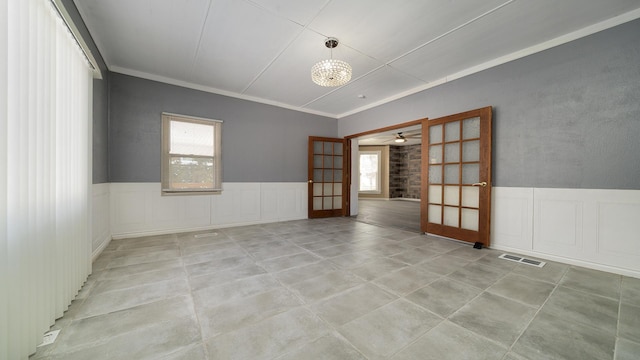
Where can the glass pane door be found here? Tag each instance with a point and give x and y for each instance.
(458, 164)
(326, 177)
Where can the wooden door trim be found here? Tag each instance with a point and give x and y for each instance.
(483, 234)
(346, 175)
(387, 128)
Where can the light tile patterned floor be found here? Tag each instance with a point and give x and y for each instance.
(340, 289)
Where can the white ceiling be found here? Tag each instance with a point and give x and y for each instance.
(263, 50)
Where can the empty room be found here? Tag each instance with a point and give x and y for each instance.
(335, 179)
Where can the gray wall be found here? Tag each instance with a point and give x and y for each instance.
(100, 102)
(260, 143)
(568, 117)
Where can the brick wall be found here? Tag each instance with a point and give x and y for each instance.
(404, 171)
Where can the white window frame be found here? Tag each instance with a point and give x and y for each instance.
(167, 189)
(379, 178)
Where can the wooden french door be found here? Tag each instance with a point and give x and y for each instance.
(328, 177)
(456, 188)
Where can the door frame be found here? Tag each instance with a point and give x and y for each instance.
(346, 178)
(377, 131)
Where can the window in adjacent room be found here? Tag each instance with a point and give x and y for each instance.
(191, 155)
(370, 169)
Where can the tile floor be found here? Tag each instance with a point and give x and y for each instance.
(340, 289)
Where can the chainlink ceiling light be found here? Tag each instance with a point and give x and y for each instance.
(331, 72)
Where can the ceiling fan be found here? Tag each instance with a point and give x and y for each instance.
(402, 137)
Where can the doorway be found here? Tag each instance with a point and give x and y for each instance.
(387, 170)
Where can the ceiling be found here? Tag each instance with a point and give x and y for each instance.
(263, 50)
(412, 135)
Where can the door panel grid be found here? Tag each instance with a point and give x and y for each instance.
(458, 167)
(327, 175)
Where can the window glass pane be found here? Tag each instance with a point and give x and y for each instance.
(337, 175)
(470, 219)
(190, 154)
(337, 162)
(471, 151)
(452, 152)
(337, 148)
(471, 128)
(191, 139)
(328, 148)
(337, 189)
(369, 176)
(434, 214)
(470, 173)
(317, 147)
(328, 176)
(451, 174)
(317, 175)
(435, 134)
(317, 189)
(471, 196)
(452, 195)
(435, 194)
(328, 162)
(337, 202)
(191, 172)
(327, 189)
(435, 174)
(317, 161)
(317, 203)
(327, 202)
(450, 216)
(435, 154)
(452, 131)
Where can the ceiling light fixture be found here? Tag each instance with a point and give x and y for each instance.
(331, 72)
(400, 138)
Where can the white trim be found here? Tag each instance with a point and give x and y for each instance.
(138, 209)
(593, 228)
(100, 249)
(589, 30)
(136, 234)
(209, 89)
(570, 261)
(190, 117)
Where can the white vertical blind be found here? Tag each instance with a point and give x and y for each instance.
(45, 246)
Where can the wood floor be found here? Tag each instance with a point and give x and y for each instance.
(399, 214)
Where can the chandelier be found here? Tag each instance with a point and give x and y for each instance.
(331, 72)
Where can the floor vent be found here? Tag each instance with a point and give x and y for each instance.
(206, 235)
(49, 337)
(522, 260)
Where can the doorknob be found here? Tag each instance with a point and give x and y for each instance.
(483, 184)
(310, 181)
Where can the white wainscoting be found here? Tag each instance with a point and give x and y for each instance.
(139, 209)
(100, 215)
(594, 228)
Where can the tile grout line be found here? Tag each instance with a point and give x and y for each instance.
(193, 301)
(615, 346)
(538, 311)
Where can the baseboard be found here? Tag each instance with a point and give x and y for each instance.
(569, 261)
(131, 235)
(100, 249)
(389, 199)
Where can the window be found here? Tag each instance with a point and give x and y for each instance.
(191, 161)
(370, 168)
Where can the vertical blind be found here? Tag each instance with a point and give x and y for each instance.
(45, 247)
